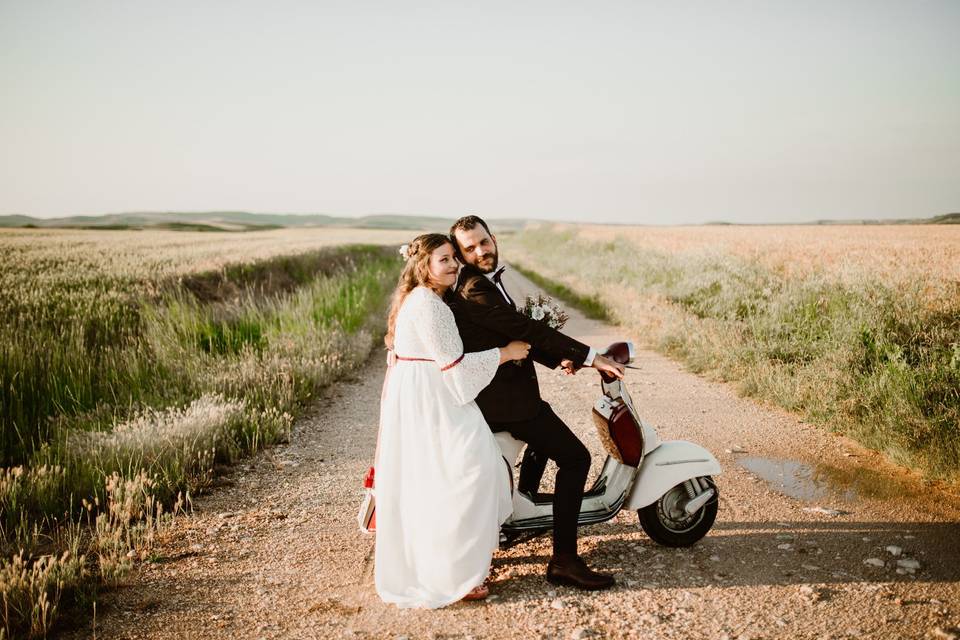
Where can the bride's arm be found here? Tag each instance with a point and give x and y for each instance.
(464, 374)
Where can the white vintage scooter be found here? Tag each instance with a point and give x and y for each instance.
(669, 484)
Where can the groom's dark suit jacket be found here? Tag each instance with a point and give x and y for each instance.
(486, 320)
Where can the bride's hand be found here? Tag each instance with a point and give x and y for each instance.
(516, 350)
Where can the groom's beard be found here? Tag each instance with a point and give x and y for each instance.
(488, 263)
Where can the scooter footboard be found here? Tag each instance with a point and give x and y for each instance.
(673, 462)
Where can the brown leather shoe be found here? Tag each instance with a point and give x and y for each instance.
(571, 570)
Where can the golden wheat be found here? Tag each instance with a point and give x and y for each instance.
(34, 263)
(888, 252)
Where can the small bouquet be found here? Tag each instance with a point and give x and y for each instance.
(543, 308)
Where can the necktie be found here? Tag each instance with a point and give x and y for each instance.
(497, 275)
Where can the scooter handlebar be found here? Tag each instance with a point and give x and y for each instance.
(621, 352)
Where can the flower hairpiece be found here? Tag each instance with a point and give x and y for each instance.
(405, 251)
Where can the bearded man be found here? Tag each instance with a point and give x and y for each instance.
(487, 317)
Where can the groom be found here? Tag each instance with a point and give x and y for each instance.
(487, 317)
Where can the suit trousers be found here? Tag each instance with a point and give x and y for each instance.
(549, 437)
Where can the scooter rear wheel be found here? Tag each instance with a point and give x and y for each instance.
(668, 524)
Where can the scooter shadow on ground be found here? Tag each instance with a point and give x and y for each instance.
(765, 553)
(756, 554)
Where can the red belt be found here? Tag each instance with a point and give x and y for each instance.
(449, 366)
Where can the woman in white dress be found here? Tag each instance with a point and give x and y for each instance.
(442, 484)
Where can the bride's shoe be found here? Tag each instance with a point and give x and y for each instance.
(478, 593)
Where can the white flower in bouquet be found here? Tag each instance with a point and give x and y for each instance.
(542, 308)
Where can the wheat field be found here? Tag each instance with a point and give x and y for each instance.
(156, 254)
(891, 253)
(51, 262)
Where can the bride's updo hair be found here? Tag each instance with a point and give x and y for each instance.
(416, 272)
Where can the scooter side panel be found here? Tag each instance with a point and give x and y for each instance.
(510, 447)
(602, 503)
(673, 462)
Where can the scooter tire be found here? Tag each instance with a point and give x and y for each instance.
(652, 521)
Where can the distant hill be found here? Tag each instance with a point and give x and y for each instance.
(238, 221)
(246, 221)
(947, 218)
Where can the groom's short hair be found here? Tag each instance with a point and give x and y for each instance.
(465, 224)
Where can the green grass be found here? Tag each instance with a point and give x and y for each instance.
(878, 362)
(151, 392)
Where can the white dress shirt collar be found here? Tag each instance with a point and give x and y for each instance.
(499, 270)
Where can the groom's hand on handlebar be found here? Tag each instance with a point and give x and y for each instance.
(602, 363)
(568, 367)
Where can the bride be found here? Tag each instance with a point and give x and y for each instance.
(442, 490)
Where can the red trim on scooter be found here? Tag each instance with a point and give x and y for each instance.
(627, 435)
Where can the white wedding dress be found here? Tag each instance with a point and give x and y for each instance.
(441, 481)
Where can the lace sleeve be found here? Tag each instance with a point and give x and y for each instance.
(464, 374)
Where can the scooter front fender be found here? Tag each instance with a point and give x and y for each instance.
(673, 462)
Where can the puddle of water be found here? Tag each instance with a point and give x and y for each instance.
(833, 486)
(871, 483)
(798, 480)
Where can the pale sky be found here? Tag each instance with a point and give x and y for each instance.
(642, 112)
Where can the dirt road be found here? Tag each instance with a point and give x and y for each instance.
(811, 551)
